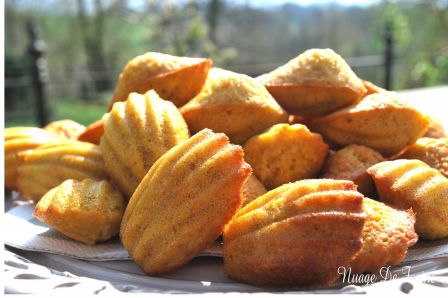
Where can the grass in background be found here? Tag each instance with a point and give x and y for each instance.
(83, 112)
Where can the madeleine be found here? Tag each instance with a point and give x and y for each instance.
(66, 128)
(177, 79)
(92, 133)
(387, 235)
(136, 133)
(405, 184)
(298, 234)
(252, 189)
(19, 140)
(49, 165)
(380, 121)
(183, 202)
(88, 211)
(285, 153)
(234, 104)
(434, 152)
(351, 163)
(314, 83)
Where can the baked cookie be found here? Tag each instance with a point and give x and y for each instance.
(184, 201)
(434, 152)
(66, 128)
(234, 104)
(177, 79)
(93, 133)
(405, 184)
(49, 165)
(386, 235)
(298, 234)
(252, 189)
(380, 121)
(88, 211)
(435, 129)
(372, 88)
(351, 163)
(21, 139)
(314, 83)
(285, 153)
(136, 133)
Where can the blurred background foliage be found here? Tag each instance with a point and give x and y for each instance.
(90, 41)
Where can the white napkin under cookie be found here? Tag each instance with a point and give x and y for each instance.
(23, 231)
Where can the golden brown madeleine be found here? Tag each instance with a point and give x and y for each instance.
(380, 121)
(435, 129)
(49, 165)
(434, 152)
(372, 88)
(298, 234)
(21, 139)
(66, 128)
(177, 79)
(351, 163)
(387, 234)
(136, 133)
(316, 82)
(93, 133)
(88, 211)
(405, 184)
(252, 189)
(285, 153)
(234, 104)
(183, 203)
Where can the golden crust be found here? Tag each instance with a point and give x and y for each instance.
(434, 152)
(88, 211)
(66, 128)
(136, 133)
(252, 189)
(285, 153)
(435, 129)
(372, 88)
(314, 83)
(387, 234)
(298, 234)
(177, 79)
(234, 104)
(93, 133)
(22, 139)
(198, 182)
(49, 165)
(351, 163)
(413, 184)
(380, 121)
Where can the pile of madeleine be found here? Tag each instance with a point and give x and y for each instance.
(302, 170)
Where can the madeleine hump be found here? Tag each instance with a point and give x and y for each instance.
(184, 201)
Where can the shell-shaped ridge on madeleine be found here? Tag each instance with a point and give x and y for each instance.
(136, 133)
(49, 165)
(413, 184)
(88, 211)
(19, 140)
(433, 152)
(198, 182)
(298, 234)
